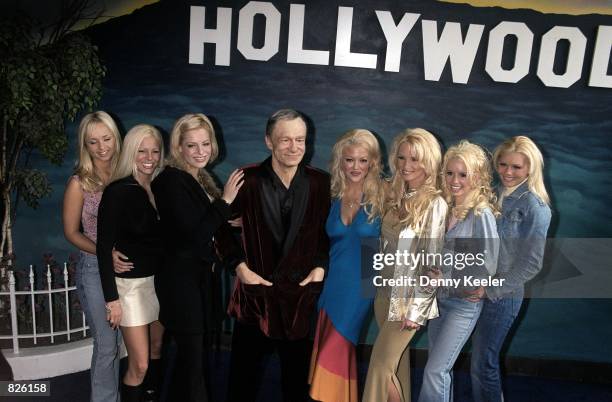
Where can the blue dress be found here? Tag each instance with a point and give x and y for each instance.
(342, 310)
(342, 297)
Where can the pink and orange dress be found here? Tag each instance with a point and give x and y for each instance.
(342, 310)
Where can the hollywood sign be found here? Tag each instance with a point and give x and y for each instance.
(438, 48)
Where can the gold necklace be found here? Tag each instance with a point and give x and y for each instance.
(353, 202)
(408, 194)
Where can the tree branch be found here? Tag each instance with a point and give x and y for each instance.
(73, 11)
(95, 17)
(10, 174)
(26, 163)
(3, 156)
(5, 223)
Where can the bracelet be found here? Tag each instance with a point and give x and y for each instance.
(108, 306)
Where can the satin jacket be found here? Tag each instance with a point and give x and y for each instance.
(418, 303)
(284, 310)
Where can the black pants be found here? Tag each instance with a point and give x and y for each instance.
(249, 348)
(190, 379)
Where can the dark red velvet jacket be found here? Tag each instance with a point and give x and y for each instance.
(284, 310)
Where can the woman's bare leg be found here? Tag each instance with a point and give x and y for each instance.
(137, 344)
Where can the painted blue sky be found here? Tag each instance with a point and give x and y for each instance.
(149, 80)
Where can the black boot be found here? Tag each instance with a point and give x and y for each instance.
(131, 393)
(151, 383)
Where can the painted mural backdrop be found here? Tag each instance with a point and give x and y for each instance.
(461, 71)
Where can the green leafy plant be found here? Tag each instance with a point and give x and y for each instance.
(48, 75)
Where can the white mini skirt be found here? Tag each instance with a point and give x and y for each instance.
(139, 304)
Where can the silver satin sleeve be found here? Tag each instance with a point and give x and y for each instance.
(418, 303)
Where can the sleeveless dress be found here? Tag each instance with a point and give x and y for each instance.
(342, 309)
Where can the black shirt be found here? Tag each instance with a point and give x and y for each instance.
(128, 222)
(278, 202)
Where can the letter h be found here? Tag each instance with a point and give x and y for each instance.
(221, 36)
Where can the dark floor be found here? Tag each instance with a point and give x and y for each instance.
(75, 387)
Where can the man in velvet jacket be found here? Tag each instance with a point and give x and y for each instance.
(283, 205)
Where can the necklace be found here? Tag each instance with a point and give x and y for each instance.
(351, 203)
(408, 194)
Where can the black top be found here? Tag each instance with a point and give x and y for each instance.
(190, 220)
(195, 233)
(278, 202)
(128, 222)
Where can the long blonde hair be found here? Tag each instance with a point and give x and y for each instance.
(131, 143)
(479, 175)
(188, 122)
(84, 168)
(373, 196)
(427, 151)
(525, 146)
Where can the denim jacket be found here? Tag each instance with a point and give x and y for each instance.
(474, 235)
(522, 228)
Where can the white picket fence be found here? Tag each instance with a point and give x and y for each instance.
(49, 292)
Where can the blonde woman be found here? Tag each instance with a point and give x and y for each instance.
(98, 152)
(413, 222)
(127, 221)
(357, 201)
(470, 253)
(193, 213)
(522, 227)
